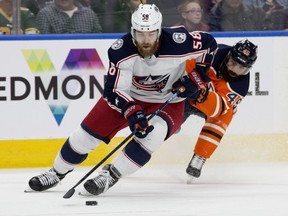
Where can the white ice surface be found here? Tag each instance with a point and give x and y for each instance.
(222, 190)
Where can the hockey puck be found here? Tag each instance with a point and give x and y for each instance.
(91, 203)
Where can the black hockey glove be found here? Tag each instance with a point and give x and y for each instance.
(195, 80)
(201, 95)
(192, 83)
(137, 120)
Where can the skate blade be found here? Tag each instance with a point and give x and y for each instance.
(85, 193)
(29, 190)
(190, 179)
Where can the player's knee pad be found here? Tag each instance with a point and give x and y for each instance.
(156, 137)
(82, 142)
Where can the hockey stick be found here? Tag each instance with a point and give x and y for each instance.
(70, 192)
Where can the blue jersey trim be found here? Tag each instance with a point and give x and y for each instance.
(119, 35)
(61, 37)
(251, 34)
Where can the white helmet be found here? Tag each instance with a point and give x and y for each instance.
(146, 17)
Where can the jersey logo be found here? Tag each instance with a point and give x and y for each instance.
(150, 83)
(179, 37)
(246, 52)
(117, 44)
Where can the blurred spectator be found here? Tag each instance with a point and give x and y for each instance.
(115, 15)
(35, 5)
(274, 15)
(284, 3)
(207, 5)
(235, 15)
(107, 11)
(123, 24)
(85, 3)
(27, 19)
(191, 13)
(168, 9)
(260, 3)
(133, 4)
(68, 17)
(286, 19)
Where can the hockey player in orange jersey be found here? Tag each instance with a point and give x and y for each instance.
(218, 102)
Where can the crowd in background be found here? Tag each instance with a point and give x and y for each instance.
(113, 16)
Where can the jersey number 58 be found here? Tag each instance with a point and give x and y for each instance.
(197, 42)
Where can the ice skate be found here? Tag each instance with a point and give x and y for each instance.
(45, 181)
(107, 177)
(194, 168)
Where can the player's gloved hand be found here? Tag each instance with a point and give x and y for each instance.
(137, 120)
(191, 83)
(200, 96)
(188, 88)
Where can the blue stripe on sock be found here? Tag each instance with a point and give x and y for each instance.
(136, 153)
(69, 155)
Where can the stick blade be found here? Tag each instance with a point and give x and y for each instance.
(69, 193)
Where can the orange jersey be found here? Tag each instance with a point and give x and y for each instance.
(223, 97)
(219, 107)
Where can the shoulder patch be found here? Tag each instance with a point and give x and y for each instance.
(179, 37)
(117, 44)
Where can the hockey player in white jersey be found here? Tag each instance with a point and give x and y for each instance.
(146, 67)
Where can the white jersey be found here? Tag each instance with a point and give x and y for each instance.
(131, 76)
